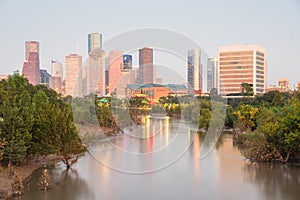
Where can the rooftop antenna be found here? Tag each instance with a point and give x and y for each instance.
(77, 48)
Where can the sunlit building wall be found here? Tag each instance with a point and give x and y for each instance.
(94, 41)
(194, 70)
(31, 46)
(31, 68)
(242, 63)
(147, 72)
(115, 64)
(73, 79)
(57, 69)
(212, 73)
(95, 72)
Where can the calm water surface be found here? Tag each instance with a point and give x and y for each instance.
(161, 161)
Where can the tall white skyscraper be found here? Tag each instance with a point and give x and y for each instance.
(212, 73)
(194, 73)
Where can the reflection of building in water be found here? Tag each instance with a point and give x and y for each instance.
(227, 164)
(154, 130)
(154, 91)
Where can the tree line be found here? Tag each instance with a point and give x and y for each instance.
(268, 126)
(35, 122)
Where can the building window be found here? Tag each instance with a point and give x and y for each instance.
(260, 54)
(258, 67)
(259, 72)
(259, 58)
(259, 63)
(258, 76)
(259, 85)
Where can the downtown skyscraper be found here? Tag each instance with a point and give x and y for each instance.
(147, 72)
(115, 64)
(194, 71)
(56, 80)
(242, 64)
(95, 72)
(212, 73)
(31, 66)
(73, 79)
(94, 42)
(95, 69)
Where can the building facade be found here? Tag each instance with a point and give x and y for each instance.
(57, 69)
(194, 70)
(73, 78)
(31, 46)
(242, 64)
(147, 73)
(55, 83)
(115, 64)
(94, 41)
(45, 78)
(31, 65)
(57, 74)
(95, 72)
(212, 73)
(127, 62)
(31, 68)
(153, 92)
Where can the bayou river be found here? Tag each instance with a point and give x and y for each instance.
(161, 160)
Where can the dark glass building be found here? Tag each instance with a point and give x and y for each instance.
(127, 62)
(44, 77)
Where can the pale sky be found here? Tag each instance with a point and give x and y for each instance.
(60, 26)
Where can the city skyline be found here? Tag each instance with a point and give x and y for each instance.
(272, 25)
(235, 65)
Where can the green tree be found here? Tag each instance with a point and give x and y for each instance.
(2, 143)
(17, 119)
(70, 147)
(44, 135)
(247, 89)
(205, 117)
(245, 116)
(281, 127)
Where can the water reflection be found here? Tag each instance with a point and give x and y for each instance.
(66, 184)
(277, 181)
(155, 145)
(223, 174)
